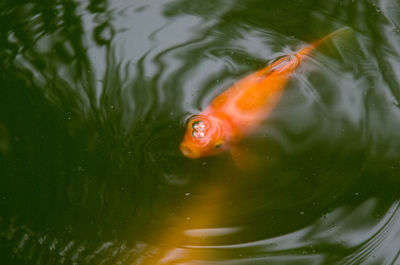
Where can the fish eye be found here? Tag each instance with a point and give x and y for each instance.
(218, 146)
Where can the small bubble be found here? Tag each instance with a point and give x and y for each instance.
(199, 125)
(188, 218)
(302, 213)
(356, 193)
(198, 134)
(188, 194)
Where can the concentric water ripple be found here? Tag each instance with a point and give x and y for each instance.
(94, 100)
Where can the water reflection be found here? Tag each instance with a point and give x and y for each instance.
(93, 101)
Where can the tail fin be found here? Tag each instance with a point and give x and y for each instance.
(305, 51)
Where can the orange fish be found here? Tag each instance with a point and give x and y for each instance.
(238, 111)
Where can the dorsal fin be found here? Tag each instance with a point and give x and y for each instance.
(290, 62)
(283, 64)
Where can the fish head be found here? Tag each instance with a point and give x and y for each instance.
(203, 137)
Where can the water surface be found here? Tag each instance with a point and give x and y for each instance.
(93, 105)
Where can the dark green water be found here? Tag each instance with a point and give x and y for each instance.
(94, 96)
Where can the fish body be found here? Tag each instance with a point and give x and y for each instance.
(240, 109)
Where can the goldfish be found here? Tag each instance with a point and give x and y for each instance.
(239, 110)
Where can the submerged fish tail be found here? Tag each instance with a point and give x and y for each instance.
(305, 51)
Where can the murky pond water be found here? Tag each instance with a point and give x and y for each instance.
(94, 99)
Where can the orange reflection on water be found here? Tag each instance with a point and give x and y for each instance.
(194, 228)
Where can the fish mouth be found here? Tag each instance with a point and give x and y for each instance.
(188, 152)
